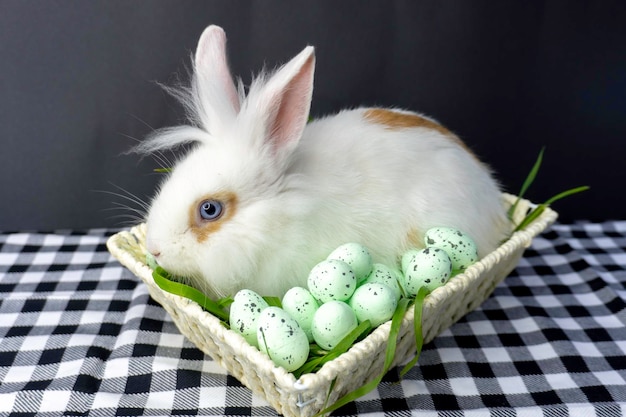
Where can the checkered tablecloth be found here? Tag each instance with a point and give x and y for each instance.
(79, 335)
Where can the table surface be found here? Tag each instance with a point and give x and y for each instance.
(79, 335)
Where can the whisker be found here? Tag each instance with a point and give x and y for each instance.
(129, 137)
(119, 206)
(162, 160)
(140, 120)
(134, 209)
(128, 196)
(129, 222)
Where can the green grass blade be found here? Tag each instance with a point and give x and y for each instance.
(537, 211)
(348, 398)
(394, 331)
(530, 217)
(309, 366)
(330, 389)
(273, 301)
(225, 302)
(527, 182)
(566, 193)
(160, 278)
(417, 328)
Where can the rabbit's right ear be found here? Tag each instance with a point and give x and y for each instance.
(217, 99)
(284, 102)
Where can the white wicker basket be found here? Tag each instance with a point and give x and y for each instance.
(364, 361)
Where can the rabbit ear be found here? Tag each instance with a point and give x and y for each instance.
(285, 102)
(217, 99)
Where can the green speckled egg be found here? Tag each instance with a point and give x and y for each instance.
(332, 322)
(430, 268)
(331, 279)
(301, 305)
(388, 276)
(357, 256)
(374, 301)
(244, 313)
(407, 257)
(280, 336)
(458, 245)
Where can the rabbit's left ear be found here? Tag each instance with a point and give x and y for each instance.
(216, 92)
(285, 102)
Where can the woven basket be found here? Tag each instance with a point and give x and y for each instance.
(364, 361)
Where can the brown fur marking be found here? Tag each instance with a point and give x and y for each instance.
(414, 239)
(395, 120)
(203, 228)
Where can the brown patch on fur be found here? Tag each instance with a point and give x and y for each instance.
(395, 120)
(201, 228)
(415, 239)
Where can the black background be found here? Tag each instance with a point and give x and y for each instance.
(78, 87)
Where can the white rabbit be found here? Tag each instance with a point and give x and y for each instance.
(264, 196)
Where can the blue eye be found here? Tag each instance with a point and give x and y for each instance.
(210, 210)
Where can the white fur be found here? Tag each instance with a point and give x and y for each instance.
(302, 191)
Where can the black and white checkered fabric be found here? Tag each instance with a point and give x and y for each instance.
(79, 335)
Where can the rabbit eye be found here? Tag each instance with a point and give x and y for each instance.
(210, 210)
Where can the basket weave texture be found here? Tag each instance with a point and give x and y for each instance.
(364, 361)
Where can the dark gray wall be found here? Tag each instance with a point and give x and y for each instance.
(77, 88)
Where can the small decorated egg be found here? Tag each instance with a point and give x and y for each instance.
(407, 257)
(386, 275)
(332, 322)
(355, 255)
(331, 279)
(459, 246)
(244, 313)
(429, 268)
(374, 301)
(280, 336)
(301, 305)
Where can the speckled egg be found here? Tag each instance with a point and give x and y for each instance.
(374, 301)
(386, 275)
(244, 313)
(301, 305)
(458, 245)
(430, 268)
(280, 336)
(331, 279)
(357, 256)
(407, 257)
(332, 322)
